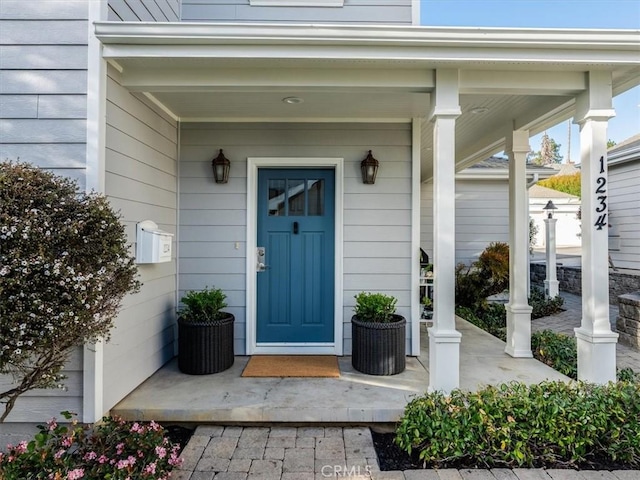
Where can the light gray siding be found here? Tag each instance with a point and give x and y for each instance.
(141, 182)
(377, 218)
(387, 12)
(43, 85)
(624, 205)
(144, 10)
(482, 217)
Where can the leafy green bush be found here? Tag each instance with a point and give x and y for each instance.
(543, 306)
(491, 318)
(113, 449)
(375, 307)
(515, 425)
(627, 374)
(203, 305)
(557, 350)
(487, 276)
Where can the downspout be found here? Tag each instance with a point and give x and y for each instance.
(93, 354)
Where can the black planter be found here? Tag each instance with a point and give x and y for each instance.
(379, 348)
(205, 347)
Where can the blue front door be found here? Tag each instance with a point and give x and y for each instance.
(296, 229)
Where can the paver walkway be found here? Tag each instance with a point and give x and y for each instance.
(571, 318)
(317, 453)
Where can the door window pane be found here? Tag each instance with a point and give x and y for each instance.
(276, 197)
(315, 190)
(296, 196)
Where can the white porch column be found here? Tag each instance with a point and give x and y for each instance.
(596, 341)
(551, 283)
(444, 339)
(518, 309)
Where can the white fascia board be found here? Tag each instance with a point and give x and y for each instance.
(624, 155)
(607, 47)
(296, 3)
(499, 174)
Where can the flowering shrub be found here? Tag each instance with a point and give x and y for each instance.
(64, 269)
(113, 449)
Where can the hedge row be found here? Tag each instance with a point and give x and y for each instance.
(515, 425)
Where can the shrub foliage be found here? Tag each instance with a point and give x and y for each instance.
(515, 425)
(113, 449)
(64, 269)
(487, 276)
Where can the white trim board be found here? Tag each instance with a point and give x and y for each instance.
(253, 164)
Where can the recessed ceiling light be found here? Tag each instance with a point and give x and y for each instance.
(293, 100)
(479, 110)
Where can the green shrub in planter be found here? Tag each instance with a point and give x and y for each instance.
(375, 307)
(515, 425)
(205, 333)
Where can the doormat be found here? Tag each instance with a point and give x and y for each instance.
(292, 366)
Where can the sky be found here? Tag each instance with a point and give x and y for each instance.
(550, 14)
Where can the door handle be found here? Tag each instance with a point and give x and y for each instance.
(260, 258)
(295, 228)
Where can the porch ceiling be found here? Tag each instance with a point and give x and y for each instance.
(523, 79)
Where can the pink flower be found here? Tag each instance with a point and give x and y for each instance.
(75, 474)
(175, 460)
(21, 447)
(67, 441)
(150, 469)
(137, 428)
(119, 448)
(103, 459)
(161, 452)
(154, 426)
(91, 456)
(52, 424)
(59, 453)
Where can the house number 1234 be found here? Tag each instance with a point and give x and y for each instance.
(601, 205)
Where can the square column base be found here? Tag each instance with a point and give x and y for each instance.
(551, 288)
(444, 360)
(596, 356)
(519, 331)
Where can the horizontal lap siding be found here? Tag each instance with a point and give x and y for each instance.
(377, 239)
(141, 182)
(354, 11)
(144, 10)
(43, 85)
(482, 217)
(624, 204)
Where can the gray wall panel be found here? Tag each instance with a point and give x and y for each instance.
(377, 239)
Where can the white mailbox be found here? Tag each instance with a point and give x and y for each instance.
(152, 244)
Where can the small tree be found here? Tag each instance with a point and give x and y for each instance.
(64, 270)
(549, 152)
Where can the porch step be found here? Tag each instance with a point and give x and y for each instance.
(226, 397)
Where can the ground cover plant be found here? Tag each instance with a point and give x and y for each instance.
(65, 267)
(552, 424)
(112, 449)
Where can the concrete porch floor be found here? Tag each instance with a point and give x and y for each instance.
(353, 398)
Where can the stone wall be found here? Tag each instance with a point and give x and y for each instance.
(570, 280)
(628, 322)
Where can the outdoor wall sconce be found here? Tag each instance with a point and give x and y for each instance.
(550, 207)
(221, 166)
(369, 168)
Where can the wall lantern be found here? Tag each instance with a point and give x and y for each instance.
(221, 166)
(550, 207)
(369, 168)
